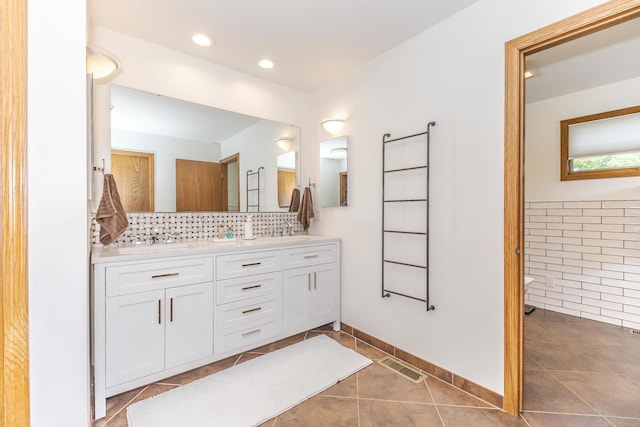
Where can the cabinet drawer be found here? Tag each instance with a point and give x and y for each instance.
(309, 255)
(251, 312)
(132, 278)
(242, 288)
(233, 339)
(245, 264)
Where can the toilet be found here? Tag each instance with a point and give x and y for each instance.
(528, 309)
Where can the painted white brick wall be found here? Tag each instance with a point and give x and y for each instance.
(590, 250)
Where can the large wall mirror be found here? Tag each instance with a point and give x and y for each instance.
(334, 172)
(170, 155)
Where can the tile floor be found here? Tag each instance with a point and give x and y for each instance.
(579, 372)
(593, 382)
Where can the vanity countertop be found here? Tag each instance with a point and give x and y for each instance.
(201, 247)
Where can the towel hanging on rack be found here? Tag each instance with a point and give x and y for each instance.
(110, 215)
(305, 213)
(294, 205)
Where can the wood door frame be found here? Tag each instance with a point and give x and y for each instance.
(589, 21)
(14, 316)
(225, 178)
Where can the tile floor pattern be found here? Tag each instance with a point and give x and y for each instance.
(595, 382)
(579, 372)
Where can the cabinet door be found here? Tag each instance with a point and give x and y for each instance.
(189, 323)
(134, 336)
(324, 294)
(297, 285)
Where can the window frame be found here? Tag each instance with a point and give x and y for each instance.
(566, 174)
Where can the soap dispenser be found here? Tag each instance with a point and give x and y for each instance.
(248, 228)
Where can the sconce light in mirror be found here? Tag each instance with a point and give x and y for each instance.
(530, 69)
(333, 126)
(100, 64)
(339, 152)
(284, 143)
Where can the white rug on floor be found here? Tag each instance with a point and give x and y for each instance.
(253, 391)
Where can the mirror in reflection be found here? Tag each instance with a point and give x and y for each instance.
(170, 155)
(334, 172)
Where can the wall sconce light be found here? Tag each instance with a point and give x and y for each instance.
(333, 126)
(100, 64)
(284, 143)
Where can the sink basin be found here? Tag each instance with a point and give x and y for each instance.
(155, 248)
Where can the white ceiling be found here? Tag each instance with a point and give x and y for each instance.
(311, 41)
(598, 59)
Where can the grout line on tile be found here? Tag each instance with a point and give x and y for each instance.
(434, 401)
(521, 416)
(372, 399)
(572, 391)
(126, 405)
(171, 384)
(465, 392)
(237, 359)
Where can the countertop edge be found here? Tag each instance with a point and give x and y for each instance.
(203, 248)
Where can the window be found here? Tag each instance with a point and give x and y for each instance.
(603, 145)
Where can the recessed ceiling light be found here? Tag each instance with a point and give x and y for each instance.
(202, 39)
(265, 63)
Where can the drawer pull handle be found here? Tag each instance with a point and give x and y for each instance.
(251, 287)
(171, 310)
(157, 276)
(315, 280)
(252, 310)
(251, 333)
(251, 264)
(159, 312)
(311, 256)
(309, 280)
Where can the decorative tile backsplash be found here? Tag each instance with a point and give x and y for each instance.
(585, 259)
(186, 226)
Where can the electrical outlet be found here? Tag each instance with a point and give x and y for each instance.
(550, 281)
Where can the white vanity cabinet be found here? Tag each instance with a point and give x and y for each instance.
(158, 314)
(248, 300)
(151, 331)
(311, 281)
(151, 318)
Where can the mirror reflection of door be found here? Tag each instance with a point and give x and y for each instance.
(343, 189)
(231, 183)
(133, 173)
(286, 184)
(198, 186)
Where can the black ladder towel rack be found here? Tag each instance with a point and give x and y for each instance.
(417, 270)
(253, 191)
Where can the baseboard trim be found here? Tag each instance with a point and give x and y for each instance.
(464, 384)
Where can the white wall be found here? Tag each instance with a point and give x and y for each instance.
(57, 214)
(152, 68)
(542, 145)
(166, 150)
(257, 149)
(453, 74)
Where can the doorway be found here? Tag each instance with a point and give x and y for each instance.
(231, 182)
(592, 20)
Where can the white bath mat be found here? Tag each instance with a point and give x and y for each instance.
(253, 391)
